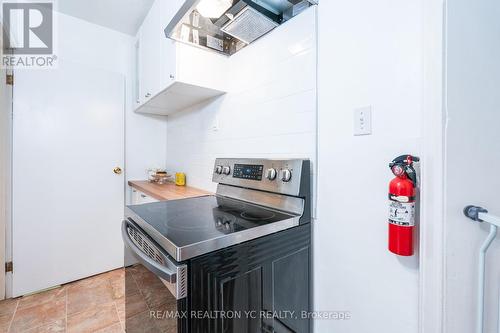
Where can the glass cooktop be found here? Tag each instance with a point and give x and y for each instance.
(191, 227)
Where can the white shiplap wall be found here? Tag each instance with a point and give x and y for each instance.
(268, 112)
(370, 53)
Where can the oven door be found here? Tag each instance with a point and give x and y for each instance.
(155, 287)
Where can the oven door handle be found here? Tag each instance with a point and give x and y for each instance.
(169, 274)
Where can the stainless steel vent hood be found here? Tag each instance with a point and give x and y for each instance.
(227, 26)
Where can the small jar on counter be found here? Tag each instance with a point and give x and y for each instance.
(180, 179)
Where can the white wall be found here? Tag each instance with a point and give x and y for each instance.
(269, 111)
(472, 157)
(370, 53)
(82, 42)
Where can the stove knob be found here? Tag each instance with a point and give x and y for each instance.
(226, 170)
(271, 174)
(218, 169)
(286, 175)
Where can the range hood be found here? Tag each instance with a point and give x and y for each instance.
(227, 26)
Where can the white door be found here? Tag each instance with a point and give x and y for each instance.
(68, 136)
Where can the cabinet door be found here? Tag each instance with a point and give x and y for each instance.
(157, 53)
(168, 61)
(144, 198)
(168, 64)
(134, 198)
(149, 54)
(142, 70)
(137, 74)
(139, 198)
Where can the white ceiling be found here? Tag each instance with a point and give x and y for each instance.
(122, 15)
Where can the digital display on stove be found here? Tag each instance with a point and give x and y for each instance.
(248, 171)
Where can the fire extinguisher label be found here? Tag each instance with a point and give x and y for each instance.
(402, 213)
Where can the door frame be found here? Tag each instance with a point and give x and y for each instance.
(5, 181)
(432, 225)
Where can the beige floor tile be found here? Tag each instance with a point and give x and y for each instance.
(116, 328)
(93, 319)
(137, 269)
(8, 306)
(120, 308)
(95, 304)
(55, 327)
(130, 285)
(88, 283)
(7, 309)
(154, 291)
(166, 320)
(117, 274)
(85, 296)
(38, 315)
(147, 280)
(156, 295)
(41, 298)
(118, 288)
(141, 323)
(133, 305)
(5, 321)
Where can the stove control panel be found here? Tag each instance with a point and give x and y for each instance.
(248, 171)
(279, 176)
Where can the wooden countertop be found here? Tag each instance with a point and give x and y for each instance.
(168, 191)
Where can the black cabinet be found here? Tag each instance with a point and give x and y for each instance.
(258, 286)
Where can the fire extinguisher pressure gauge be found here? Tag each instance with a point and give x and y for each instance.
(398, 170)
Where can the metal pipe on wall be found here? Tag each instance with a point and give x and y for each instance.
(480, 214)
(498, 313)
(481, 278)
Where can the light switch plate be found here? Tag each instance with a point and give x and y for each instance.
(363, 121)
(215, 124)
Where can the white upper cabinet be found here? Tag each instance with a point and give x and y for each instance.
(173, 76)
(150, 46)
(167, 56)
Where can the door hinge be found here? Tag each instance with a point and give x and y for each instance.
(9, 267)
(10, 79)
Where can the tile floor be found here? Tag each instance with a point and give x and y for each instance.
(95, 304)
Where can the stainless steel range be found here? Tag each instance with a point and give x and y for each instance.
(236, 261)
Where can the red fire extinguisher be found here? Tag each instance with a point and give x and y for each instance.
(402, 193)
